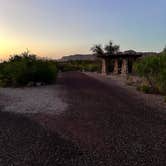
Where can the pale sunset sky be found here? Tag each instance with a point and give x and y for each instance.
(54, 28)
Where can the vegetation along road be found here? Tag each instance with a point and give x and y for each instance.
(103, 125)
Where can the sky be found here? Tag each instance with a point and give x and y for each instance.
(54, 28)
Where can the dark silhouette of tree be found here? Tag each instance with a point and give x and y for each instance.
(111, 49)
(98, 50)
(25, 55)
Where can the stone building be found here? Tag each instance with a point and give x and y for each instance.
(123, 62)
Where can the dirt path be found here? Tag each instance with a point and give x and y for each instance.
(108, 122)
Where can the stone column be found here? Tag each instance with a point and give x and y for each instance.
(124, 67)
(104, 67)
(116, 67)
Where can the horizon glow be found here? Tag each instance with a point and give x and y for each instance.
(55, 28)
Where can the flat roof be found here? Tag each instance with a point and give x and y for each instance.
(121, 55)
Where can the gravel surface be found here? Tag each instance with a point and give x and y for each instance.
(23, 142)
(44, 99)
(102, 125)
(152, 100)
(109, 122)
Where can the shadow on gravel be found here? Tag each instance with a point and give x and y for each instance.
(25, 143)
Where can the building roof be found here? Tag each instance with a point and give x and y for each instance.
(126, 54)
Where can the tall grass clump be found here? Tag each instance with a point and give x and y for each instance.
(153, 68)
(26, 69)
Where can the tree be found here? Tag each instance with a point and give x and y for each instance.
(98, 50)
(23, 56)
(111, 49)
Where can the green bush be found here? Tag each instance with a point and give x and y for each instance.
(153, 68)
(25, 68)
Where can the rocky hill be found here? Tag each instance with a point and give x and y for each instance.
(93, 57)
(78, 57)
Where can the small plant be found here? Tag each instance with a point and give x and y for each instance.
(145, 89)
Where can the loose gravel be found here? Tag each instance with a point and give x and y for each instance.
(118, 128)
(152, 100)
(43, 99)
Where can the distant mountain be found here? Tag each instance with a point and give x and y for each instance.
(93, 57)
(78, 57)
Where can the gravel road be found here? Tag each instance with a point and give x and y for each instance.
(24, 142)
(80, 122)
(112, 124)
(152, 100)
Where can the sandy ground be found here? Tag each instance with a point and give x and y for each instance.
(152, 100)
(44, 99)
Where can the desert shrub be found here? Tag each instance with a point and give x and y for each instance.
(153, 68)
(25, 68)
(43, 71)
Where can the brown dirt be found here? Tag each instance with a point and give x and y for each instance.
(109, 123)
